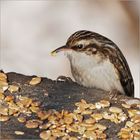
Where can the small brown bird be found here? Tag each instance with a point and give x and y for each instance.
(97, 62)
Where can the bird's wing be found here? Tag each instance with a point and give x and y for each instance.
(120, 63)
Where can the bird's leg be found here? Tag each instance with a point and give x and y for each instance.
(63, 79)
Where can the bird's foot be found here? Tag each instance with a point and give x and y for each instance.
(63, 79)
(114, 94)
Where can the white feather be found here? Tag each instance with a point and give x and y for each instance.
(91, 71)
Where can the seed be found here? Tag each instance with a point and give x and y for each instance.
(12, 105)
(136, 135)
(126, 105)
(73, 138)
(3, 76)
(86, 112)
(13, 88)
(45, 135)
(25, 101)
(21, 119)
(19, 132)
(92, 106)
(100, 126)
(83, 101)
(138, 106)
(107, 116)
(105, 103)
(43, 115)
(82, 104)
(133, 112)
(9, 98)
(1, 96)
(62, 127)
(90, 135)
(4, 118)
(53, 138)
(19, 104)
(3, 86)
(101, 136)
(124, 135)
(79, 110)
(52, 118)
(12, 111)
(93, 127)
(35, 81)
(97, 116)
(90, 121)
(81, 129)
(136, 127)
(34, 109)
(67, 137)
(32, 124)
(136, 119)
(68, 119)
(122, 117)
(3, 110)
(115, 110)
(35, 103)
(129, 124)
(98, 105)
(45, 126)
(78, 117)
(86, 124)
(57, 133)
(72, 128)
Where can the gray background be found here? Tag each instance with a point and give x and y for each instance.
(31, 29)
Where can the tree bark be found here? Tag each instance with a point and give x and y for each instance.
(57, 95)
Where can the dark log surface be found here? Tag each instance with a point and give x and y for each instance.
(54, 95)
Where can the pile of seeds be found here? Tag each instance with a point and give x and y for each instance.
(84, 122)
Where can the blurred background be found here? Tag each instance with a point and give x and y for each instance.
(30, 30)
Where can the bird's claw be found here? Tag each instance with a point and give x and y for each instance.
(113, 95)
(63, 79)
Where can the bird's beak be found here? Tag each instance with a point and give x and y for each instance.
(63, 48)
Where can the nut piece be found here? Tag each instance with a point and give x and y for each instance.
(100, 126)
(115, 110)
(129, 124)
(3, 110)
(126, 105)
(3, 76)
(97, 116)
(90, 121)
(25, 101)
(19, 132)
(35, 81)
(32, 124)
(21, 119)
(4, 118)
(133, 112)
(13, 88)
(3, 86)
(45, 135)
(1, 96)
(90, 135)
(105, 103)
(136, 119)
(9, 98)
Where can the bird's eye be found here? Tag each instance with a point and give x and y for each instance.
(80, 46)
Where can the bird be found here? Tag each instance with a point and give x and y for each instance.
(97, 62)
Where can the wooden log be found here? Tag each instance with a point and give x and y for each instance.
(57, 95)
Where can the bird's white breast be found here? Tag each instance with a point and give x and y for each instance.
(91, 71)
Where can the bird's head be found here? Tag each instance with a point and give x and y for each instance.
(86, 42)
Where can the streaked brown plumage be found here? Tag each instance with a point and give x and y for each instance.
(87, 45)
